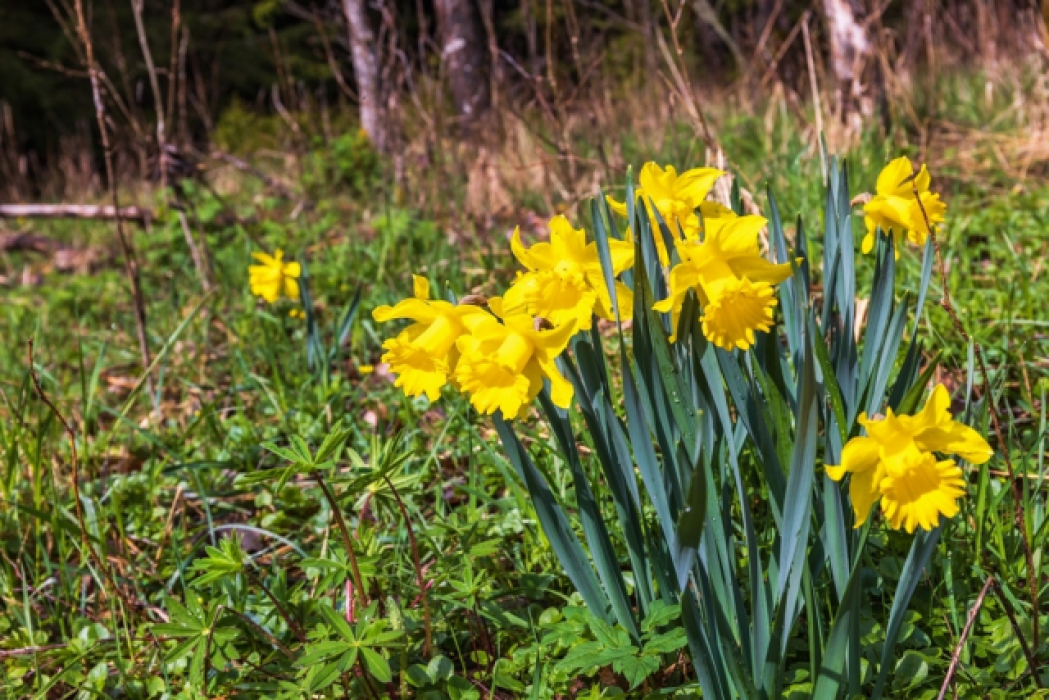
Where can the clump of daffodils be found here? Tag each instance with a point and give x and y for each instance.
(896, 463)
(501, 352)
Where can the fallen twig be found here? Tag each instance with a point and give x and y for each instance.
(956, 656)
(76, 211)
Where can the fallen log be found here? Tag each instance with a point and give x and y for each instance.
(75, 211)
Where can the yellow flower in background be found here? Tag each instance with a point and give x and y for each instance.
(424, 354)
(733, 282)
(502, 365)
(895, 463)
(676, 198)
(564, 282)
(273, 277)
(895, 208)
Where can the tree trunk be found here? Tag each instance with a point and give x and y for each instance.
(366, 68)
(850, 49)
(464, 51)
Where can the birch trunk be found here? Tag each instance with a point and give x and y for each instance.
(364, 49)
(850, 50)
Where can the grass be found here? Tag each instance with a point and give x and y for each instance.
(166, 477)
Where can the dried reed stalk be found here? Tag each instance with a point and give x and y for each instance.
(130, 261)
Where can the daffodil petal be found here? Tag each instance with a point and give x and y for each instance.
(893, 175)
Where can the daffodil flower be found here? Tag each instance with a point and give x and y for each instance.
(895, 207)
(274, 277)
(894, 463)
(676, 198)
(564, 282)
(502, 364)
(733, 282)
(423, 355)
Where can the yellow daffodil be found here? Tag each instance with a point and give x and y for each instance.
(502, 364)
(895, 207)
(676, 198)
(274, 277)
(424, 354)
(733, 282)
(564, 282)
(895, 463)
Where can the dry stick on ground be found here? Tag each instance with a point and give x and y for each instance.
(28, 242)
(198, 255)
(948, 306)
(956, 656)
(814, 85)
(130, 263)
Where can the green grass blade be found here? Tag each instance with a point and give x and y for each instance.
(346, 324)
(680, 405)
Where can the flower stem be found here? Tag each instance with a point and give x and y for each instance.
(347, 540)
(418, 567)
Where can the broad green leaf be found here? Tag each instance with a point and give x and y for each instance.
(637, 668)
(376, 665)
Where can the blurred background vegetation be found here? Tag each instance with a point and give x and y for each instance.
(532, 90)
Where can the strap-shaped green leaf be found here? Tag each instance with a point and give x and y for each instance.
(831, 677)
(921, 549)
(680, 405)
(555, 523)
(594, 529)
(604, 253)
(342, 332)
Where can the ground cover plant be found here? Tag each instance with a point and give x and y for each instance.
(658, 518)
